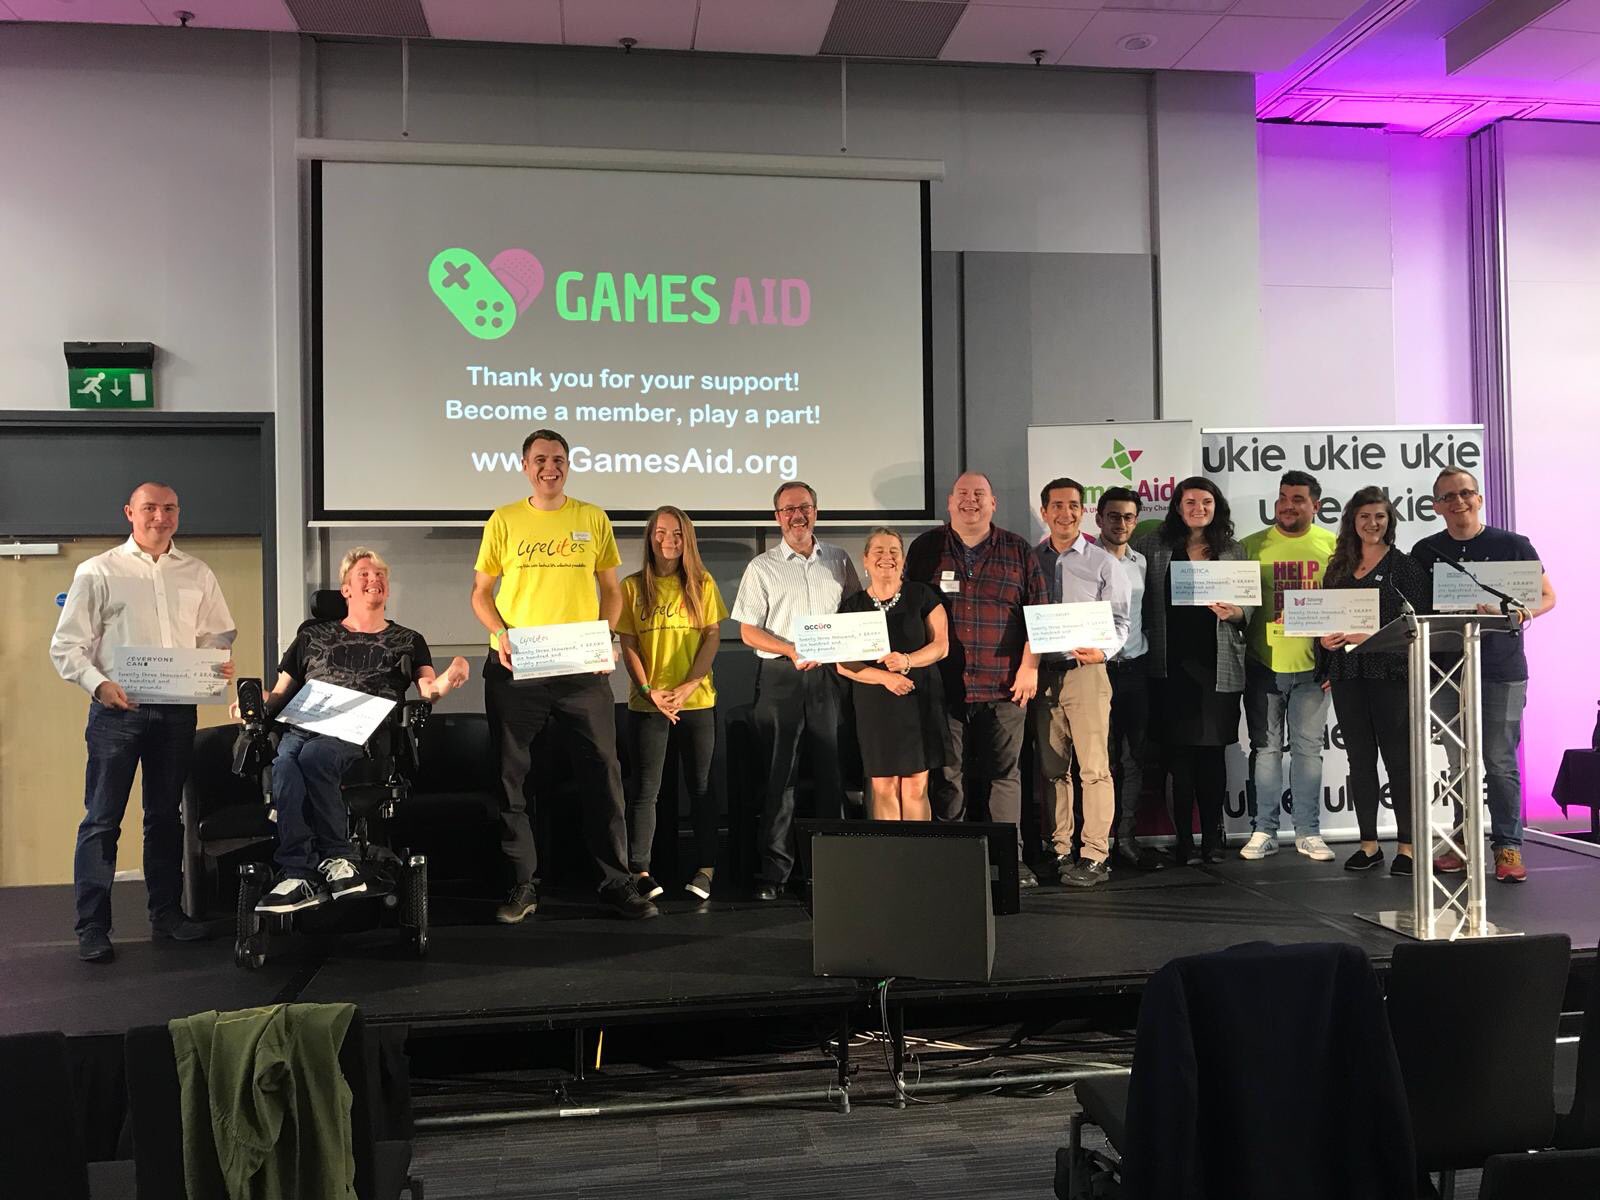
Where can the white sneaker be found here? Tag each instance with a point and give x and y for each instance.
(291, 895)
(343, 878)
(1314, 848)
(1259, 846)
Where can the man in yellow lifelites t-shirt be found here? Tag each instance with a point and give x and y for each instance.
(549, 553)
(1280, 674)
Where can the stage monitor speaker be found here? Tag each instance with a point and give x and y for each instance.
(886, 906)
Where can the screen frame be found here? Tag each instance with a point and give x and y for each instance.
(321, 514)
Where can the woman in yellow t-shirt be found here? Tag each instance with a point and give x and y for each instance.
(671, 613)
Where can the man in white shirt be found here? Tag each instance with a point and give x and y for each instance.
(145, 593)
(797, 578)
(1118, 513)
(1072, 713)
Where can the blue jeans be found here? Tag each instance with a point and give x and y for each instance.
(1502, 734)
(313, 823)
(1272, 699)
(160, 738)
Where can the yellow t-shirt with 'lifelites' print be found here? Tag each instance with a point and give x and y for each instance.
(547, 561)
(668, 639)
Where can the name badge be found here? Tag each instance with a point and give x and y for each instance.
(952, 586)
(580, 535)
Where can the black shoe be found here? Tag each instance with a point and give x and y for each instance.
(1131, 854)
(767, 891)
(1025, 876)
(700, 886)
(1214, 853)
(179, 928)
(1401, 864)
(1183, 854)
(94, 946)
(648, 887)
(290, 896)
(1087, 873)
(624, 900)
(1063, 864)
(524, 899)
(1362, 861)
(342, 877)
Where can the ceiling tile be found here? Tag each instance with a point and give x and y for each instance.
(1537, 54)
(1589, 72)
(100, 12)
(1255, 43)
(1215, 7)
(1396, 113)
(1082, 5)
(1173, 35)
(654, 24)
(992, 33)
(226, 14)
(6, 14)
(495, 20)
(763, 26)
(1332, 10)
(1582, 15)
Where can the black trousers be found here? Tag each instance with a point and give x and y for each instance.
(792, 705)
(990, 734)
(696, 737)
(1375, 718)
(581, 706)
(1130, 725)
(1199, 777)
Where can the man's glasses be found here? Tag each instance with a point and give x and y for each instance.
(1465, 495)
(797, 510)
(1118, 518)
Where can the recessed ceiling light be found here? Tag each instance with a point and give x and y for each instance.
(1135, 42)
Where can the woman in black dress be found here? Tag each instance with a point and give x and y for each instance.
(899, 703)
(1371, 694)
(1196, 663)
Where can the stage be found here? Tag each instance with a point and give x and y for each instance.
(572, 967)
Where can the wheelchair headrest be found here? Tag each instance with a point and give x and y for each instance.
(328, 605)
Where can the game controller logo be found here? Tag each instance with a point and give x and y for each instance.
(486, 299)
(1121, 460)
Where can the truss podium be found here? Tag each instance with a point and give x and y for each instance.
(1446, 707)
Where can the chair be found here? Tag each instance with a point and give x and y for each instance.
(1474, 1024)
(1548, 1175)
(1579, 1128)
(41, 1142)
(154, 1106)
(1213, 1109)
(372, 790)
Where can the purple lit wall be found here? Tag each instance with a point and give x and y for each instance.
(1364, 289)
(1552, 254)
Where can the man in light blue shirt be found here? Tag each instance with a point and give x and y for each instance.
(1118, 514)
(1072, 715)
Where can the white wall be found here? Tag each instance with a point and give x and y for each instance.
(1364, 287)
(136, 206)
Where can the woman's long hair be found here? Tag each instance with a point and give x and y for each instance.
(689, 567)
(1347, 550)
(1217, 534)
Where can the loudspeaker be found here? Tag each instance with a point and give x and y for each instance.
(886, 906)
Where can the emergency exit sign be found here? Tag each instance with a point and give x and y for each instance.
(110, 387)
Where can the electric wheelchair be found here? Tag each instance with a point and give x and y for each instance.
(372, 790)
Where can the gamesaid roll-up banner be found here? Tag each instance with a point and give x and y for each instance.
(1147, 456)
(1402, 459)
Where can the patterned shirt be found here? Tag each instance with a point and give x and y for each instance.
(378, 664)
(985, 603)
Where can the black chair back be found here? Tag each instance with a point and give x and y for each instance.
(1550, 1175)
(1580, 1128)
(1474, 1024)
(154, 1106)
(41, 1148)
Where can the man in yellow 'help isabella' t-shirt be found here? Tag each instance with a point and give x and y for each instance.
(549, 554)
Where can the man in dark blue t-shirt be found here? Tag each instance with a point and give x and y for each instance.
(1503, 665)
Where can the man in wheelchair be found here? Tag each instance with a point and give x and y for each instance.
(367, 653)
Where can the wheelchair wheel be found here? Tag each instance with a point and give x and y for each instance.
(250, 930)
(414, 914)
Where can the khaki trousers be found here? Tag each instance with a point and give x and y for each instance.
(1072, 719)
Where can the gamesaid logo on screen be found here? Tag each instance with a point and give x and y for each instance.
(1121, 460)
(487, 298)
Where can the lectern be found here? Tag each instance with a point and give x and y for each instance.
(1446, 707)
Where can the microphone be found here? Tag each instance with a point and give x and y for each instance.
(1507, 601)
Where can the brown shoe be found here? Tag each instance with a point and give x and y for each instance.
(1449, 863)
(1508, 866)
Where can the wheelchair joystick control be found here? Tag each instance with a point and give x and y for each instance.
(251, 749)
